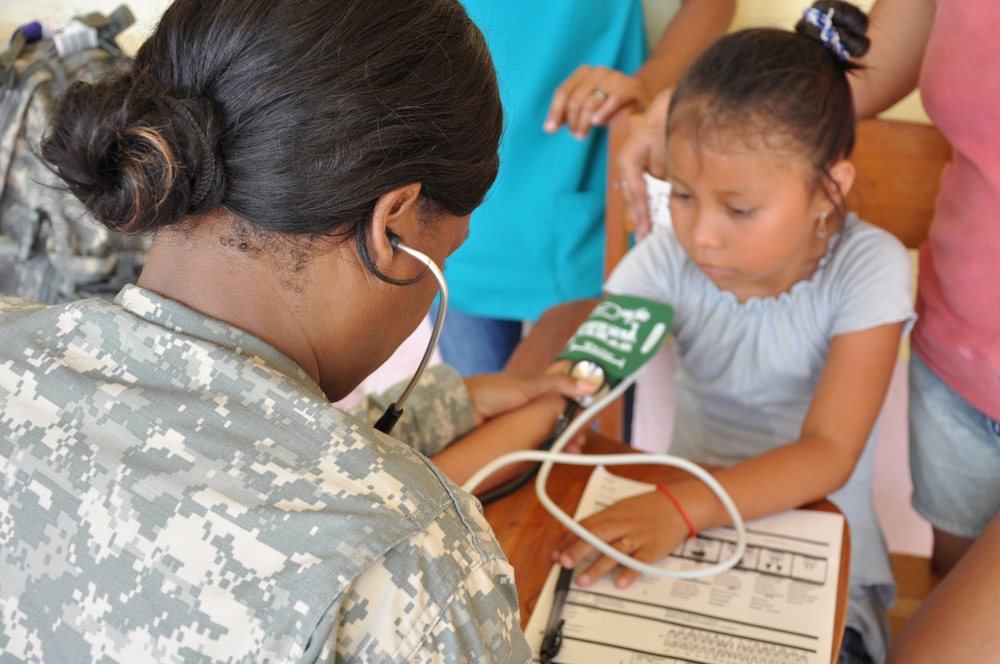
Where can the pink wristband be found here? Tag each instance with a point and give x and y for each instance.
(691, 531)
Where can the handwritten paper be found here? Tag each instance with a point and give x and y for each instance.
(776, 606)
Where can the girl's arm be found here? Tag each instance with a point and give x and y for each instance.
(899, 32)
(513, 412)
(520, 429)
(845, 406)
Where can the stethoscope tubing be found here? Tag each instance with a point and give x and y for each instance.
(548, 458)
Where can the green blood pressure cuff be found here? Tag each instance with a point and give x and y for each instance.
(621, 334)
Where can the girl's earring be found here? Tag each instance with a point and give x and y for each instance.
(821, 226)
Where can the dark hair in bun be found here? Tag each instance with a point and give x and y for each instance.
(782, 88)
(295, 116)
(133, 162)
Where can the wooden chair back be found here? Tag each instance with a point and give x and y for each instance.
(898, 176)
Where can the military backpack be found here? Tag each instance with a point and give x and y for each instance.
(51, 249)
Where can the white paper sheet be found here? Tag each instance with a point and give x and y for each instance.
(776, 606)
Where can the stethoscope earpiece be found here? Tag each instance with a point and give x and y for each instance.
(393, 239)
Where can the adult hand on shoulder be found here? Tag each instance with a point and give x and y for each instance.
(590, 96)
(641, 526)
(645, 150)
(497, 393)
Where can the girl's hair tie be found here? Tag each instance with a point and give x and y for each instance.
(828, 33)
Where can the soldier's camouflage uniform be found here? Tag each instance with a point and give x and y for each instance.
(175, 489)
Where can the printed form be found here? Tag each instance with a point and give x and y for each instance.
(777, 606)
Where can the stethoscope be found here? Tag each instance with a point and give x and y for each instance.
(394, 411)
(578, 412)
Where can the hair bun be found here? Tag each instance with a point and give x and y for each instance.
(839, 25)
(137, 160)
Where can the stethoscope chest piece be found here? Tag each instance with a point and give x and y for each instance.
(593, 373)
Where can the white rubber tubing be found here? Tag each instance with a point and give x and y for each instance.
(556, 455)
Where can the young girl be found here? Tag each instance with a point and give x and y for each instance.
(789, 312)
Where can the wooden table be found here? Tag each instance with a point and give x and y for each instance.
(529, 534)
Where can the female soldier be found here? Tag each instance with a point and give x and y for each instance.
(176, 485)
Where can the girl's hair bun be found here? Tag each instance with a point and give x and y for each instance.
(135, 163)
(840, 26)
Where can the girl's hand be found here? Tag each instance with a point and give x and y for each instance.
(644, 526)
(494, 394)
(645, 150)
(590, 96)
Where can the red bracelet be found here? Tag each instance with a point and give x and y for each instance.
(691, 531)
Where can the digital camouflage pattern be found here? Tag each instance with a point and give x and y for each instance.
(175, 489)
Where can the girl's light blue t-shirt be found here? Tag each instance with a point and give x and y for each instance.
(747, 372)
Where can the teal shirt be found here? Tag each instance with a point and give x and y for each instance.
(538, 239)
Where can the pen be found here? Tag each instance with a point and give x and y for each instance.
(553, 632)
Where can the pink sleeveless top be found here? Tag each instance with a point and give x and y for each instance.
(958, 330)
